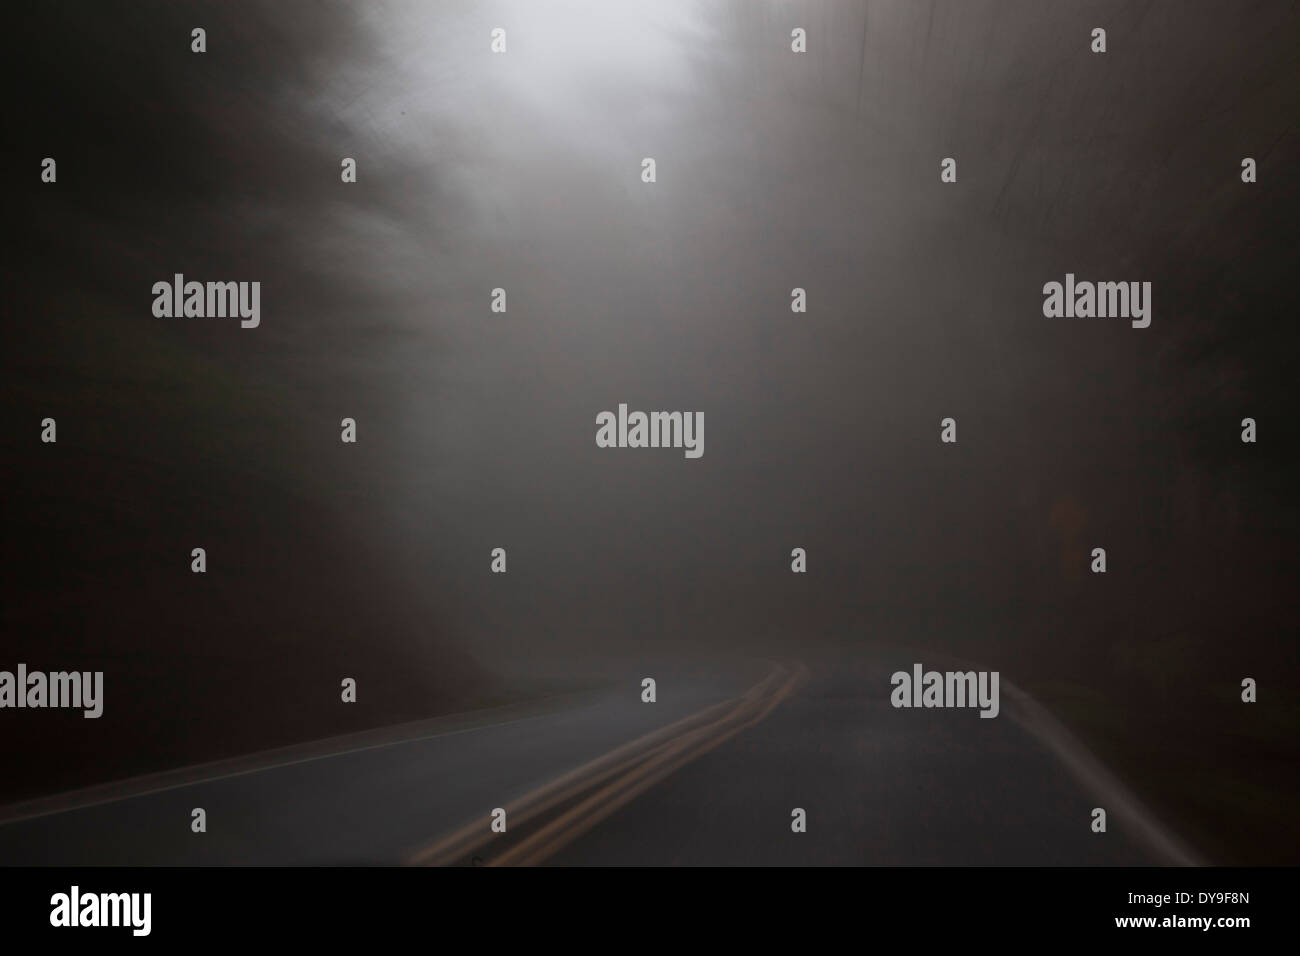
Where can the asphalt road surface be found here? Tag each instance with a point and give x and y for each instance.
(709, 774)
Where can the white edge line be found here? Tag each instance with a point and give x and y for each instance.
(133, 787)
(1093, 774)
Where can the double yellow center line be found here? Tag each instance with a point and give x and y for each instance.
(565, 808)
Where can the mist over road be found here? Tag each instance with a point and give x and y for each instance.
(709, 774)
(783, 177)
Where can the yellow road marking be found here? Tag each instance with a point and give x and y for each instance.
(661, 763)
(626, 771)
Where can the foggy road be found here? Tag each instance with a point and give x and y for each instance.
(708, 774)
(879, 786)
(859, 238)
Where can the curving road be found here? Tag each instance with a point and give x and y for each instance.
(709, 774)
